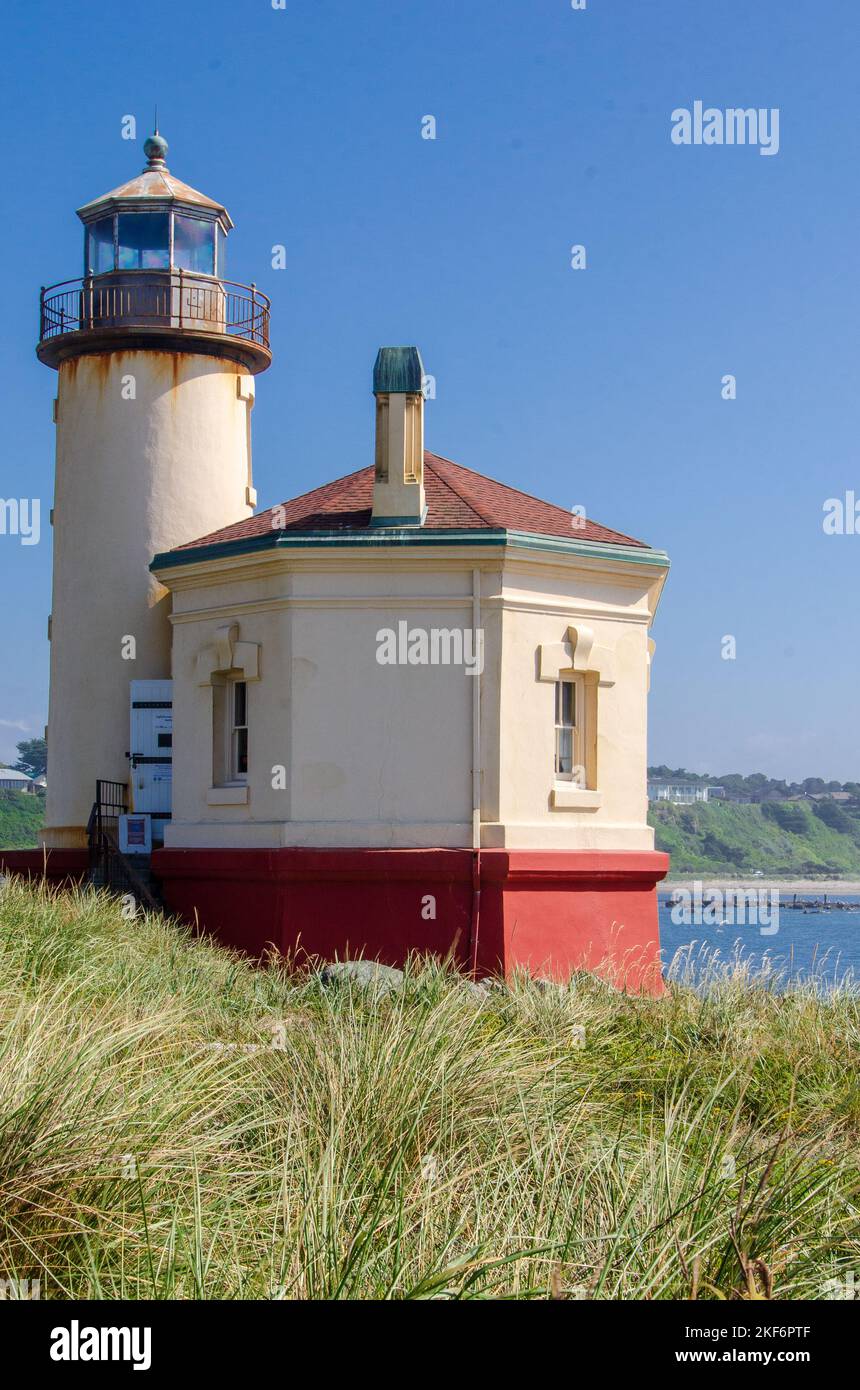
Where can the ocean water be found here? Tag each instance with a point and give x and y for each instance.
(824, 946)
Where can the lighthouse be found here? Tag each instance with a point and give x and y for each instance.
(156, 353)
(403, 711)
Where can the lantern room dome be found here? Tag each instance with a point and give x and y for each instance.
(155, 184)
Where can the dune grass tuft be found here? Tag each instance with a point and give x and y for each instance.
(176, 1122)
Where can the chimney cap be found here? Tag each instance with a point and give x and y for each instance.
(398, 371)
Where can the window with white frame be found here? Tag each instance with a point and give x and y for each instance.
(569, 711)
(238, 753)
(230, 731)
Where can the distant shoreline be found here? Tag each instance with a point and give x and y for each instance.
(809, 887)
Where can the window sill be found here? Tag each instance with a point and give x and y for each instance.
(567, 797)
(228, 796)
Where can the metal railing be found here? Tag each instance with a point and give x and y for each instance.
(109, 867)
(103, 827)
(163, 299)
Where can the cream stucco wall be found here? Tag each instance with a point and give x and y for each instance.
(540, 603)
(153, 449)
(374, 754)
(382, 755)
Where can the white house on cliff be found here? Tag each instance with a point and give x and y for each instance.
(403, 711)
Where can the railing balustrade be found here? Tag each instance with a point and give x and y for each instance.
(162, 299)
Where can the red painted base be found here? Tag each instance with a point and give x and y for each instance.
(53, 865)
(549, 912)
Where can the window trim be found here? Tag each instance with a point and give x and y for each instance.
(578, 656)
(577, 744)
(225, 772)
(570, 792)
(236, 778)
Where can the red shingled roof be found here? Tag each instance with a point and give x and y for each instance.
(457, 499)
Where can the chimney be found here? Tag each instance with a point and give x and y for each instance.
(398, 487)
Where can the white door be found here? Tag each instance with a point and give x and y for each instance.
(152, 751)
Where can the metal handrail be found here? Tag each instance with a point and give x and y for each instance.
(117, 873)
(166, 299)
(111, 802)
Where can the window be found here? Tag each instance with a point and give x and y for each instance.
(568, 733)
(194, 244)
(100, 246)
(576, 667)
(238, 691)
(221, 242)
(144, 241)
(230, 731)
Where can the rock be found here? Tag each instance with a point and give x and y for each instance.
(477, 988)
(547, 986)
(364, 973)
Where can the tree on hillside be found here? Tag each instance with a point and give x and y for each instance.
(32, 757)
(789, 815)
(832, 814)
(813, 785)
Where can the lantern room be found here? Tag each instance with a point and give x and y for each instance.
(155, 222)
(155, 275)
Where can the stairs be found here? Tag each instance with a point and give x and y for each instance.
(125, 875)
(121, 874)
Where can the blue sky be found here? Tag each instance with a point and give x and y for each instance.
(599, 387)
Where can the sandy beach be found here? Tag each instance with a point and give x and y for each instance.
(809, 887)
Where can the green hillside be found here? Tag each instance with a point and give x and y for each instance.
(21, 816)
(782, 839)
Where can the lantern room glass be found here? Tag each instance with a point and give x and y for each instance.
(193, 244)
(148, 241)
(143, 241)
(100, 247)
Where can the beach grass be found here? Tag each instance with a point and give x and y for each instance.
(177, 1122)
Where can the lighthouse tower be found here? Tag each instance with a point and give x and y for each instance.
(156, 353)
